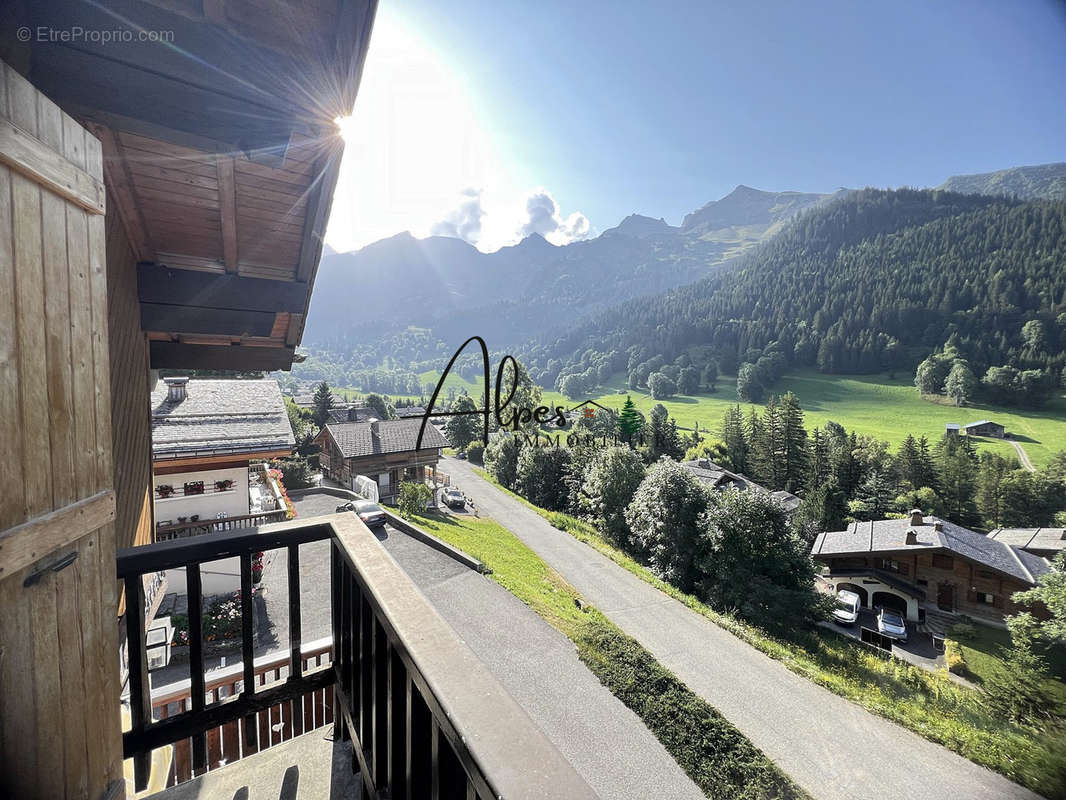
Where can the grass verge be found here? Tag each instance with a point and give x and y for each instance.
(712, 752)
(930, 704)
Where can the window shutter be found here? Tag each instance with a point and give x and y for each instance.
(971, 596)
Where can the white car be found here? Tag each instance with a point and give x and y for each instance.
(847, 608)
(891, 624)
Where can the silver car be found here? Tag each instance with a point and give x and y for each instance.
(891, 624)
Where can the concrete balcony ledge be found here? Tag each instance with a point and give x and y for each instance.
(307, 767)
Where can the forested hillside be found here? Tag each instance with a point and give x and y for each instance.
(1044, 181)
(874, 281)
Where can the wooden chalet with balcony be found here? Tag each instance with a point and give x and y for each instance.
(162, 203)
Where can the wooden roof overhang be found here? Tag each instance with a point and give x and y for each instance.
(220, 152)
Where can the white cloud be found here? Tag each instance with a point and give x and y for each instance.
(544, 217)
(464, 220)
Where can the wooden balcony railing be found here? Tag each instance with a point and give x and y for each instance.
(425, 716)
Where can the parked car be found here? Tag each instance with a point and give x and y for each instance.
(461, 455)
(891, 624)
(453, 498)
(847, 608)
(369, 512)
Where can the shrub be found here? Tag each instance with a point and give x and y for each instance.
(955, 658)
(413, 498)
(295, 472)
(501, 459)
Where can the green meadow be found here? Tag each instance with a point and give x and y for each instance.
(876, 405)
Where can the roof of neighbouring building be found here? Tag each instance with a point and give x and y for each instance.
(394, 436)
(410, 411)
(710, 473)
(952, 426)
(890, 535)
(981, 422)
(1032, 539)
(220, 416)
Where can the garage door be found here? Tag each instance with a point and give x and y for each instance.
(890, 601)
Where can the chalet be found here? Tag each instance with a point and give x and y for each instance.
(926, 562)
(985, 428)
(383, 450)
(952, 429)
(164, 194)
(711, 474)
(1046, 542)
(206, 434)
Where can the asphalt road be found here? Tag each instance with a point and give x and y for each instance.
(596, 733)
(833, 748)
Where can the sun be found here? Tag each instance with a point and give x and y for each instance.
(346, 126)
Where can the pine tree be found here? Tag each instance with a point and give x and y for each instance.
(735, 439)
(629, 422)
(793, 443)
(323, 402)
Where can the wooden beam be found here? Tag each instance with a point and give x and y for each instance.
(118, 181)
(177, 355)
(30, 156)
(227, 204)
(185, 287)
(22, 545)
(194, 319)
(325, 176)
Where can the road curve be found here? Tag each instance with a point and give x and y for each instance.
(833, 748)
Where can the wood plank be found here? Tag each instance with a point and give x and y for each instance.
(173, 355)
(47, 694)
(121, 189)
(174, 188)
(193, 319)
(283, 199)
(81, 334)
(139, 169)
(17, 673)
(318, 213)
(29, 307)
(227, 201)
(159, 284)
(46, 167)
(12, 500)
(22, 101)
(149, 193)
(79, 731)
(24, 544)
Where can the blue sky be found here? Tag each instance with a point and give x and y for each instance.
(656, 108)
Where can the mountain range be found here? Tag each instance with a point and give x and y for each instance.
(375, 300)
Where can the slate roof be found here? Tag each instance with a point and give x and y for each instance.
(410, 411)
(710, 473)
(395, 436)
(890, 535)
(220, 416)
(982, 422)
(1038, 540)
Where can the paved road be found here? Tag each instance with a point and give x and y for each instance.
(606, 742)
(833, 748)
(1023, 456)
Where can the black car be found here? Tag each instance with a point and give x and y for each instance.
(369, 512)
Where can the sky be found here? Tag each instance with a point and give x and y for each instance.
(489, 120)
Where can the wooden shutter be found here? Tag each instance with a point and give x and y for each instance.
(59, 694)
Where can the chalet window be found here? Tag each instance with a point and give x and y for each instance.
(194, 487)
(986, 598)
(891, 566)
(943, 562)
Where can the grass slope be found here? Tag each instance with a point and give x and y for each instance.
(929, 704)
(876, 405)
(713, 753)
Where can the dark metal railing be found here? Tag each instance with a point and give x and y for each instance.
(164, 533)
(425, 716)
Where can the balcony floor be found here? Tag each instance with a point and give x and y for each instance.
(309, 767)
